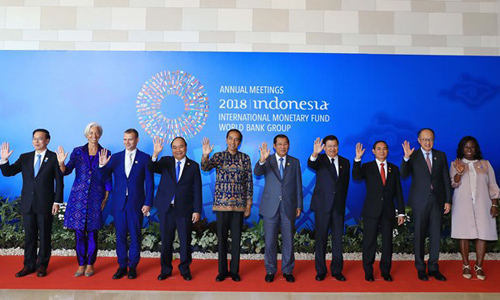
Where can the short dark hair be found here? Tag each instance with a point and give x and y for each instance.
(47, 134)
(178, 137)
(420, 131)
(132, 130)
(461, 145)
(375, 144)
(235, 130)
(282, 136)
(330, 138)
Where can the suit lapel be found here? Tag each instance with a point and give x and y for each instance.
(288, 166)
(187, 165)
(171, 168)
(329, 166)
(43, 162)
(274, 166)
(31, 163)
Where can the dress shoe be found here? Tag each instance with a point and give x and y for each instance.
(369, 277)
(387, 277)
(187, 276)
(320, 277)
(437, 275)
(339, 277)
(221, 277)
(41, 272)
(25, 271)
(289, 277)
(120, 273)
(269, 277)
(422, 276)
(235, 276)
(89, 271)
(163, 276)
(79, 271)
(132, 273)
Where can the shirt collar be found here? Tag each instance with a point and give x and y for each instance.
(41, 153)
(128, 152)
(182, 160)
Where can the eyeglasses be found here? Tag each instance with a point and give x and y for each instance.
(39, 139)
(427, 140)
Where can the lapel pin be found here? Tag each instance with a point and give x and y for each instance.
(287, 163)
(188, 164)
(46, 159)
(389, 169)
(136, 162)
(435, 158)
(340, 167)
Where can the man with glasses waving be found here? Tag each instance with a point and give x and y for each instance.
(430, 197)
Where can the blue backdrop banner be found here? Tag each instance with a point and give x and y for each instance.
(358, 98)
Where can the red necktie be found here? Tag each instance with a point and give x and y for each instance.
(382, 173)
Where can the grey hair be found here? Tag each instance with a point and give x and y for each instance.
(86, 132)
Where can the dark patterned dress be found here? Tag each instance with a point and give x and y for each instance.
(84, 204)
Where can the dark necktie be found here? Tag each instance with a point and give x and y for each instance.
(281, 167)
(178, 171)
(335, 175)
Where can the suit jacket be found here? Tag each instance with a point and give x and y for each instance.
(421, 179)
(140, 182)
(287, 190)
(38, 193)
(379, 195)
(187, 192)
(329, 194)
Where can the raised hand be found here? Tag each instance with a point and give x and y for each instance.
(103, 157)
(359, 151)
(158, 145)
(264, 152)
(206, 147)
(406, 148)
(318, 147)
(6, 152)
(459, 166)
(61, 155)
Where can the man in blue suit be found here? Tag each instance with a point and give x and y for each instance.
(280, 204)
(132, 199)
(178, 201)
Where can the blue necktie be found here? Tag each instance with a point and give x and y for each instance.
(37, 163)
(281, 167)
(178, 171)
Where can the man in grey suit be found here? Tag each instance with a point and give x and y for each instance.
(280, 205)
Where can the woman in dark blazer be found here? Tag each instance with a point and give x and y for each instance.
(87, 198)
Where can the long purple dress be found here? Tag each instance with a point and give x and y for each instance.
(84, 204)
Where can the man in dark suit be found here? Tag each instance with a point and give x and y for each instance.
(383, 186)
(328, 203)
(280, 204)
(40, 197)
(132, 199)
(178, 200)
(430, 196)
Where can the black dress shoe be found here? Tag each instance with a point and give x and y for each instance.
(187, 276)
(163, 276)
(221, 277)
(369, 277)
(437, 275)
(132, 273)
(269, 277)
(25, 271)
(120, 273)
(320, 277)
(41, 272)
(235, 276)
(289, 277)
(339, 277)
(422, 276)
(387, 277)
